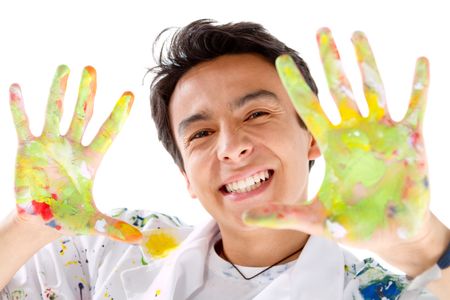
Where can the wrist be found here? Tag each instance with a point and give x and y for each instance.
(418, 254)
(28, 228)
(20, 239)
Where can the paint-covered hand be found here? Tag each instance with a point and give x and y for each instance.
(375, 185)
(55, 173)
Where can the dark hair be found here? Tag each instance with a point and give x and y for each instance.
(202, 41)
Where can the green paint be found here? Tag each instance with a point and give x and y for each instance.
(57, 172)
(375, 167)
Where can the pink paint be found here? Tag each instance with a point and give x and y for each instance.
(59, 105)
(415, 137)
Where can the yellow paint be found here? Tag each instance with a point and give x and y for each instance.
(81, 279)
(63, 249)
(324, 38)
(376, 109)
(347, 111)
(346, 268)
(158, 292)
(71, 262)
(159, 244)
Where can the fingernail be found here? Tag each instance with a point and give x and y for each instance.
(62, 71)
(14, 91)
(129, 100)
(90, 70)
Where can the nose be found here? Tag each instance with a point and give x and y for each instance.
(234, 146)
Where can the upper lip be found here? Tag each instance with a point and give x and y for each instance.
(244, 175)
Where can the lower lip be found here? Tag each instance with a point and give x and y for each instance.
(236, 197)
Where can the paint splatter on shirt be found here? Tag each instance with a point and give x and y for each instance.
(90, 267)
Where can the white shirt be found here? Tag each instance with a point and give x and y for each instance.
(223, 281)
(88, 267)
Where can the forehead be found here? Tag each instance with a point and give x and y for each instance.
(220, 81)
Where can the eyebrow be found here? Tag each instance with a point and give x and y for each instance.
(238, 103)
(264, 94)
(202, 116)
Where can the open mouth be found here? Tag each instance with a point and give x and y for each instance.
(247, 184)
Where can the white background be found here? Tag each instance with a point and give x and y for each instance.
(116, 38)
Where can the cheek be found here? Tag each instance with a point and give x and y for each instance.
(293, 153)
(199, 171)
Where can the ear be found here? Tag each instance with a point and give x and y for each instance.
(188, 185)
(314, 151)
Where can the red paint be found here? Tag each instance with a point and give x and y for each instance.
(54, 196)
(58, 227)
(85, 107)
(415, 138)
(42, 209)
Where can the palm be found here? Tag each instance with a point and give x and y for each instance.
(375, 182)
(375, 175)
(55, 173)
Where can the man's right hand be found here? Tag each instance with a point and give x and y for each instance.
(55, 173)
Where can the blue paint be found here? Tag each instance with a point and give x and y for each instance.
(52, 223)
(386, 288)
(81, 287)
(425, 182)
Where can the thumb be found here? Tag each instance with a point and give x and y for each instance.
(116, 229)
(309, 218)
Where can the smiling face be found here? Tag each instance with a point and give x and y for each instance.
(239, 137)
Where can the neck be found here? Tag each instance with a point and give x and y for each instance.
(261, 247)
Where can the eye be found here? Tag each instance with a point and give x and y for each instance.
(256, 114)
(200, 134)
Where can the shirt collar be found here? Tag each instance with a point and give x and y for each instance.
(317, 274)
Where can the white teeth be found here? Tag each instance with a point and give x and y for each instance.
(263, 177)
(247, 184)
(241, 184)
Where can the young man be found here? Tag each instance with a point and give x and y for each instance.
(224, 115)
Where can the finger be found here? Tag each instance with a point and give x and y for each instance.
(85, 104)
(373, 86)
(116, 229)
(306, 218)
(416, 109)
(303, 99)
(337, 81)
(113, 124)
(55, 101)
(19, 115)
